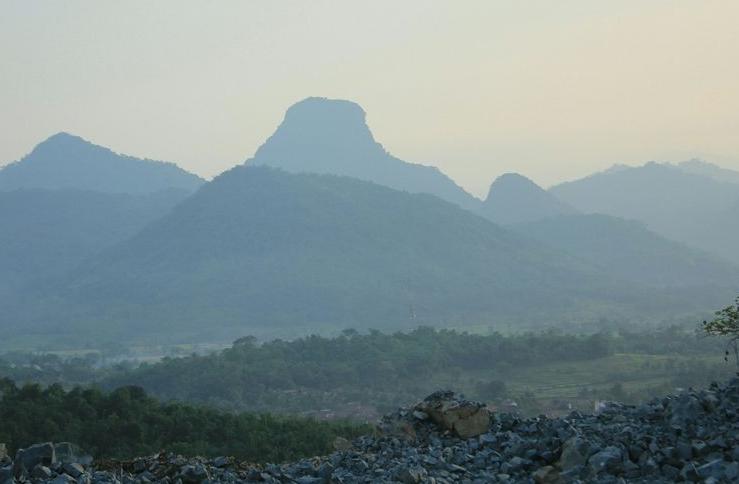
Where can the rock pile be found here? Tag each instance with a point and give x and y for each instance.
(692, 437)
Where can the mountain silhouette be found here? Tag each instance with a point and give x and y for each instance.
(629, 251)
(64, 161)
(46, 233)
(718, 173)
(514, 199)
(690, 208)
(320, 135)
(258, 251)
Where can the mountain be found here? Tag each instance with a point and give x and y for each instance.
(514, 199)
(261, 251)
(46, 233)
(629, 251)
(700, 167)
(690, 208)
(624, 249)
(65, 161)
(331, 136)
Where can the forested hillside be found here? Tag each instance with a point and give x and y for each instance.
(127, 422)
(260, 251)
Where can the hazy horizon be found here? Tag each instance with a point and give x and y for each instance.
(553, 92)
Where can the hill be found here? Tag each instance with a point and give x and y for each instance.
(65, 161)
(261, 251)
(46, 233)
(700, 167)
(628, 250)
(514, 199)
(331, 136)
(690, 208)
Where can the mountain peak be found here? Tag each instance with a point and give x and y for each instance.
(320, 127)
(331, 136)
(67, 161)
(514, 199)
(64, 146)
(312, 107)
(512, 181)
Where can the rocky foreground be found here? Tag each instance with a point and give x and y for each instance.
(692, 437)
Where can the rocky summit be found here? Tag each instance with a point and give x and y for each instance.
(689, 437)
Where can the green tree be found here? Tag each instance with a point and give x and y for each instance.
(726, 324)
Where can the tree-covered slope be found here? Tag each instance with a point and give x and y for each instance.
(259, 250)
(331, 136)
(46, 233)
(64, 161)
(126, 423)
(628, 250)
(687, 207)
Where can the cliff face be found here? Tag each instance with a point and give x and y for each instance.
(693, 436)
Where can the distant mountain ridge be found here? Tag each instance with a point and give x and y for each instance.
(700, 167)
(65, 161)
(629, 251)
(259, 250)
(330, 136)
(47, 233)
(691, 208)
(514, 199)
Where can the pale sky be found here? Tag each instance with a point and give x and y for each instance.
(551, 89)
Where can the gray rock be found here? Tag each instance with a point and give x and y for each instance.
(194, 474)
(411, 475)
(450, 411)
(74, 469)
(6, 475)
(547, 475)
(715, 469)
(608, 459)
(63, 479)
(41, 472)
(575, 452)
(27, 459)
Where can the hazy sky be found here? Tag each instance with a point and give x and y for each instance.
(550, 89)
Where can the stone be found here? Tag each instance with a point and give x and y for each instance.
(27, 459)
(411, 475)
(41, 472)
(6, 475)
(74, 469)
(341, 444)
(575, 452)
(451, 412)
(608, 459)
(714, 469)
(193, 474)
(547, 475)
(63, 479)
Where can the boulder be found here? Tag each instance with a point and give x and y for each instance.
(194, 474)
(608, 459)
(27, 459)
(451, 412)
(547, 475)
(73, 469)
(341, 444)
(6, 475)
(575, 452)
(41, 472)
